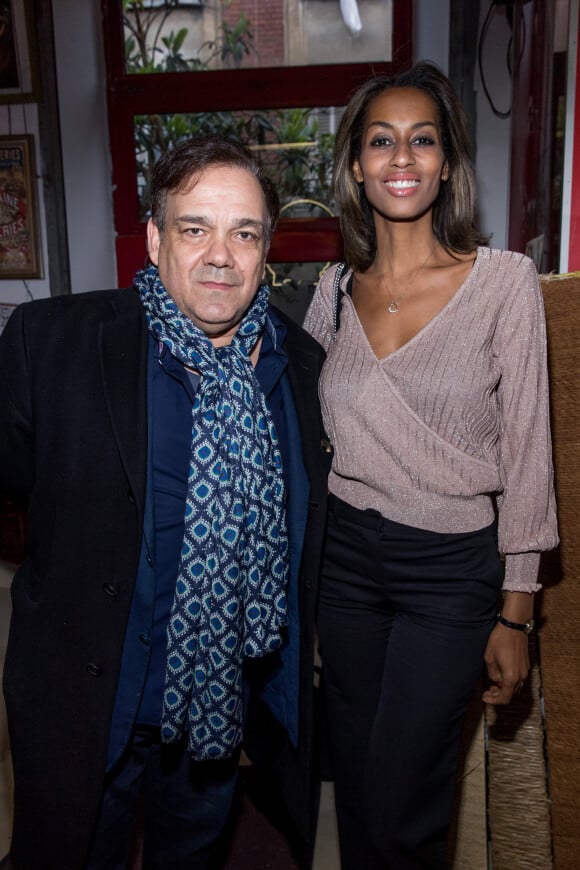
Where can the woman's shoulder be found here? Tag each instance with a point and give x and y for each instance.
(333, 278)
(508, 283)
(502, 274)
(334, 272)
(504, 260)
(321, 317)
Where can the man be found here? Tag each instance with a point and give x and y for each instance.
(168, 438)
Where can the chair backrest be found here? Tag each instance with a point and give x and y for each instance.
(520, 786)
(560, 605)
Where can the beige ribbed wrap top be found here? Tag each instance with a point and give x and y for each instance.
(455, 420)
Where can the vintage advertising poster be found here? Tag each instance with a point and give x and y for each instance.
(19, 253)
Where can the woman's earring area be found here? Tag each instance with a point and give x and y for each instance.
(356, 172)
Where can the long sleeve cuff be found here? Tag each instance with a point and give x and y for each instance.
(521, 572)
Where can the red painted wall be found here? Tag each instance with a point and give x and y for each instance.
(531, 152)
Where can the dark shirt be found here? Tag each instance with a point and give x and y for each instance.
(171, 393)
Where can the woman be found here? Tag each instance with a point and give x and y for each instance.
(435, 398)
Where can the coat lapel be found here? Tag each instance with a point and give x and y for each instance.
(303, 371)
(123, 343)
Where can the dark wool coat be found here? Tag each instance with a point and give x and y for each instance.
(73, 437)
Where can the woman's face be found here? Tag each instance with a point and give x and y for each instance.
(401, 163)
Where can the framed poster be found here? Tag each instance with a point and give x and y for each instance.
(19, 250)
(19, 79)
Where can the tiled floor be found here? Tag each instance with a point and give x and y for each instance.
(326, 852)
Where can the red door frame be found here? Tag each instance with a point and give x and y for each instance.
(531, 124)
(295, 240)
(572, 215)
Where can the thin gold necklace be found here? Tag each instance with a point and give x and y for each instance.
(393, 305)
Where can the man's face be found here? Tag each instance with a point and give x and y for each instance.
(211, 253)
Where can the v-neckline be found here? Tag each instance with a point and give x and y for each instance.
(450, 302)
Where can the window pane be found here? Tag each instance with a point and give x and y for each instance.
(295, 146)
(180, 36)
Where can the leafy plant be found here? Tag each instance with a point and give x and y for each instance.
(300, 165)
(234, 42)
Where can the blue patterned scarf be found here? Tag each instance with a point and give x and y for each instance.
(230, 595)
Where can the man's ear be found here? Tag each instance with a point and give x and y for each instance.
(153, 241)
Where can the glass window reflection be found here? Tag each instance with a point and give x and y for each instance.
(295, 146)
(180, 36)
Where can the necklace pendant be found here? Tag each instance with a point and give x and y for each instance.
(393, 307)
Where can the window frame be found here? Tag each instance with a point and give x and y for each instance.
(295, 239)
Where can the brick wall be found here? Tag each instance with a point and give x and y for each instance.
(267, 28)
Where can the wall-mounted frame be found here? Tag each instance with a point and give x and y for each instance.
(19, 239)
(19, 66)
